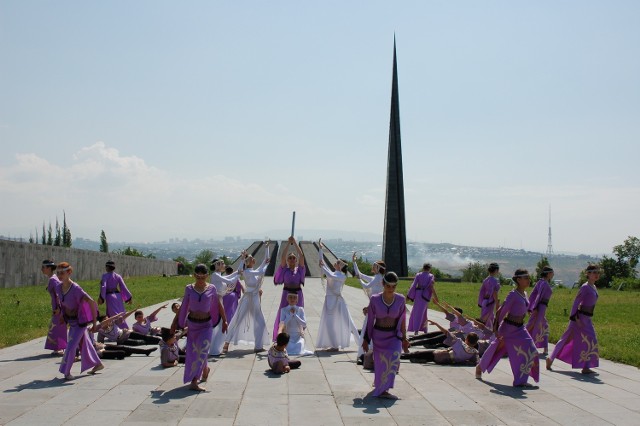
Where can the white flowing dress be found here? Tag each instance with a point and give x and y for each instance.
(294, 324)
(224, 284)
(248, 326)
(336, 324)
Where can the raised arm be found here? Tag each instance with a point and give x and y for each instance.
(154, 313)
(299, 250)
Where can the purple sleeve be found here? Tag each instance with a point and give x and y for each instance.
(278, 276)
(103, 288)
(481, 293)
(214, 307)
(301, 274)
(578, 300)
(401, 315)
(371, 318)
(411, 294)
(52, 292)
(506, 306)
(124, 291)
(184, 308)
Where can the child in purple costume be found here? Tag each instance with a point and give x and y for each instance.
(578, 345)
(386, 328)
(201, 310)
(488, 301)
(143, 324)
(420, 294)
(114, 292)
(291, 273)
(57, 335)
(538, 325)
(512, 337)
(79, 309)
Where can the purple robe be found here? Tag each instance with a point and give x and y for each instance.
(538, 325)
(578, 345)
(199, 335)
(292, 280)
(486, 301)
(384, 329)
(230, 301)
(77, 313)
(114, 292)
(515, 341)
(57, 335)
(420, 292)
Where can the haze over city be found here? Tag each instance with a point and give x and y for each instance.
(158, 120)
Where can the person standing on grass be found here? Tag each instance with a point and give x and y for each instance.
(538, 326)
(488, 301)
(578, 345)
(57, 335)
(420, 293)
(201, 310)
(386, 329)
(114, 292)
(290, 273)
(78, 310)
(512, 337)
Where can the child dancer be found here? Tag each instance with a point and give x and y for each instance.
(294, 323)
(143, 325)
(277, 357)
(57, 335)
(420, 293)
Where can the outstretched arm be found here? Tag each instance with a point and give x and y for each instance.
(154, 313)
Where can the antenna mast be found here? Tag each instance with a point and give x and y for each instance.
(549, 245)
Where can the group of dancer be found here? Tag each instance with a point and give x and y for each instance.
(222, 307)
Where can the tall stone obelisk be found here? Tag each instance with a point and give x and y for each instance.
(394, 245)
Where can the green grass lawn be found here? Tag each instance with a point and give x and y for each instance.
(616, 318)
(25, 312)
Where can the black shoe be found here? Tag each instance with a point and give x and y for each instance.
(148, 351)
(360, 360)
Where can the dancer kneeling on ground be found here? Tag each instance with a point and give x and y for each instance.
(278, 358)
(294, 323)
(458, 352)
(386, 328)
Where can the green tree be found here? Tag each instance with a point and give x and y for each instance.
(129, 251)
(104, 245)
(475, 272)
(628, 253)
(184, 266)
(50, 235)
(66, 232)
(541, 264)
(57, 241)
(204, 256)
(364, 266)
(44, 235)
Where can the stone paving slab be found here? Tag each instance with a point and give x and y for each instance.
(329, 389)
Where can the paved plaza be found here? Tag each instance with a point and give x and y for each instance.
(329, 389)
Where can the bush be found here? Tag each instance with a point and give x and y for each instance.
(626, 284)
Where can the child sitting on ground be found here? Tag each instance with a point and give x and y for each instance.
(143, 325)
(170, 354)
(277, 356)
(459, 352)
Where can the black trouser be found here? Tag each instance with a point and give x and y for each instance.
(137, 339)
(294, 364)
(421, 356)
(435, 338)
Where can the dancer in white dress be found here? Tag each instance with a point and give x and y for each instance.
(371, 285)
(248, 325)
(294, 323)
(223, 284)
(336, 324)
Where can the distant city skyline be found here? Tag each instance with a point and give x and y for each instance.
(204, 119)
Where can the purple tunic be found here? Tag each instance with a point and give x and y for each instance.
(420, 292)
(199, 335)
(515, 341)
(145, 327)
(77, 313)
(578, 345)
(114, 292)
(538, 325)
(293, 280)
(230, 301)
(384, 329)
(57, 335)
(486, 301)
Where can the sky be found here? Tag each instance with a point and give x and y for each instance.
(153, 120)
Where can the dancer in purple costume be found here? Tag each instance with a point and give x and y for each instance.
(538, 325)
(420, 293)
(201, 310)
(78, 309)
(114, 292)
(57, 335)
(488, 301)
(386, 328)
(143, 325)
(230, 300)
(512, 337)
(224, 284)
(291, 273)
(578, 345)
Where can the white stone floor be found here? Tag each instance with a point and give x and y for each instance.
(329, 389)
